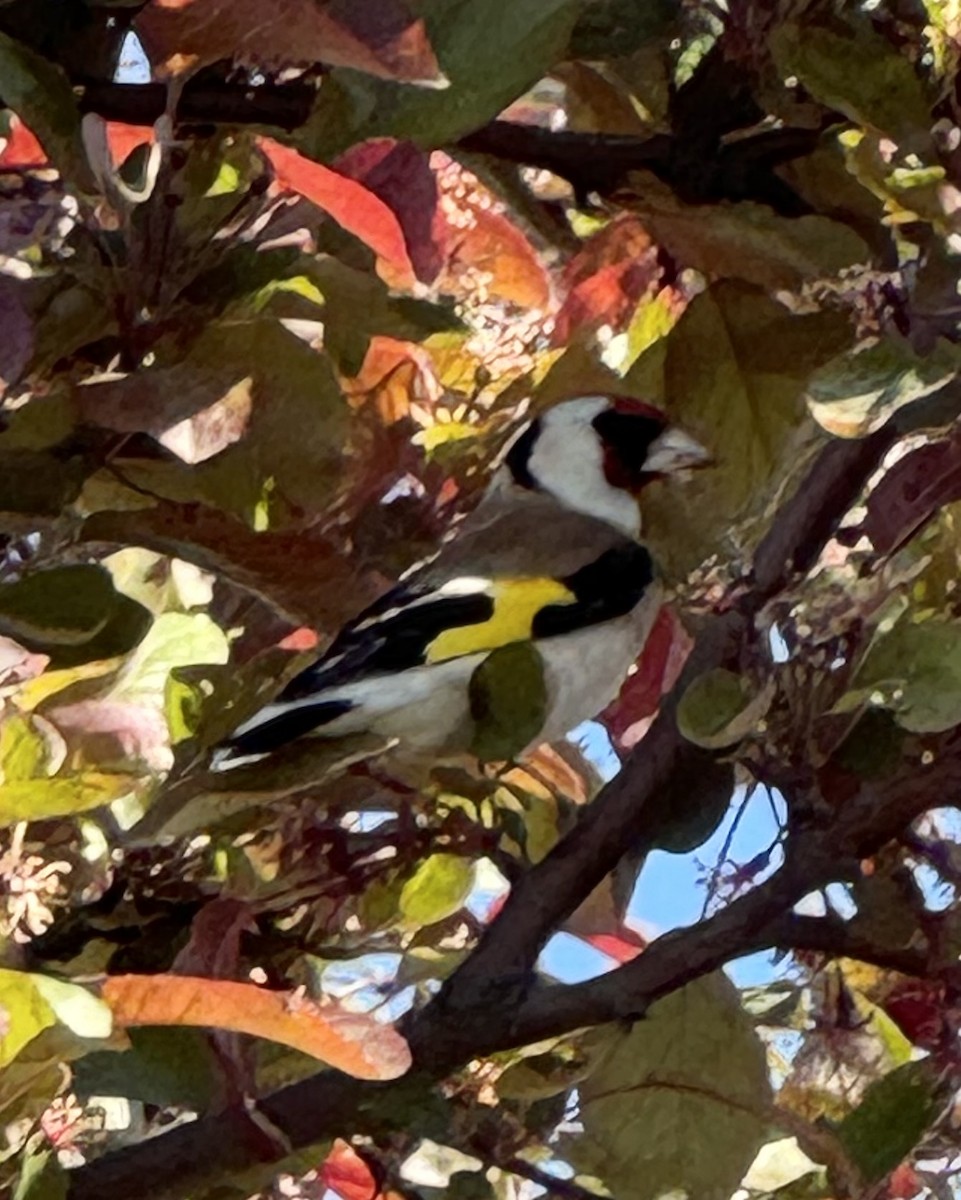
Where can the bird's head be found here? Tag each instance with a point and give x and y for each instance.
(595, 454)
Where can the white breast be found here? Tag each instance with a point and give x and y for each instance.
(427, 708)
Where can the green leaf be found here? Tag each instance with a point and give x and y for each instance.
(691, 804)
(719, 709)
(74, 613)
(437, 889)
(41, 95)
(616, 28)
(23, 752)
(23, 1013)
(175, 640)
(732, 372)
(693, 1067)
(508, 701)
(41, 1175)
(745, 241)
(165, 1066)
(891, 1119)
(294, 389)
(490, 50)
(64, 796)
(884, 91)
(64, 605)
(915, 671)
(80, 1011)
(38, 484)
(855, 393)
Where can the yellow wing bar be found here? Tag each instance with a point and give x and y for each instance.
(516, 603)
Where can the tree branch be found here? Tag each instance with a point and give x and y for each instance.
(201, 102)
(488, 1004)
(590, 162)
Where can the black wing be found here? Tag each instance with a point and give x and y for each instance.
(392, 635)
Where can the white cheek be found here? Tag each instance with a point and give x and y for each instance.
(568, 462)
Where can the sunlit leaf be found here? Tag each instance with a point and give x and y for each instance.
(30, 1003)
(351, 205)
(732, 372)
(174, 640)
(354, 1043)
(855, 393)
(41, 1176)
(23, 750)
(437, 889)
(79, 1010)
(62, 796)
(23, 1013)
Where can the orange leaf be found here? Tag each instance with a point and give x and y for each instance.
(346, 1173)
(21, 149)
(493, 246)
(351, 205)
(392, 375)
(352, 1042)
(605, 281)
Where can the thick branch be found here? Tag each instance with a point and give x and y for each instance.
(591, 162)
(203, 103)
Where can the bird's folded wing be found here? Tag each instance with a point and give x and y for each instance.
(417, 625)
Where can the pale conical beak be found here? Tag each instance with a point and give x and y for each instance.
(674, 450)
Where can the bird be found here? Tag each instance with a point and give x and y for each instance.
(551, 556)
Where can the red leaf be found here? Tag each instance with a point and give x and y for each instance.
(658, 668)
(346, 1173)
(352, 206)
(399, 173)
(380, 37)
(904, 1183)
(614, 947)
(21, 148)
(124, 139)
(484, 242)
(303, 638)
(605, 281)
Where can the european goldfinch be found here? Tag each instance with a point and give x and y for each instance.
(551, 556)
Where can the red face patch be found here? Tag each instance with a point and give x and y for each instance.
(636, 408)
